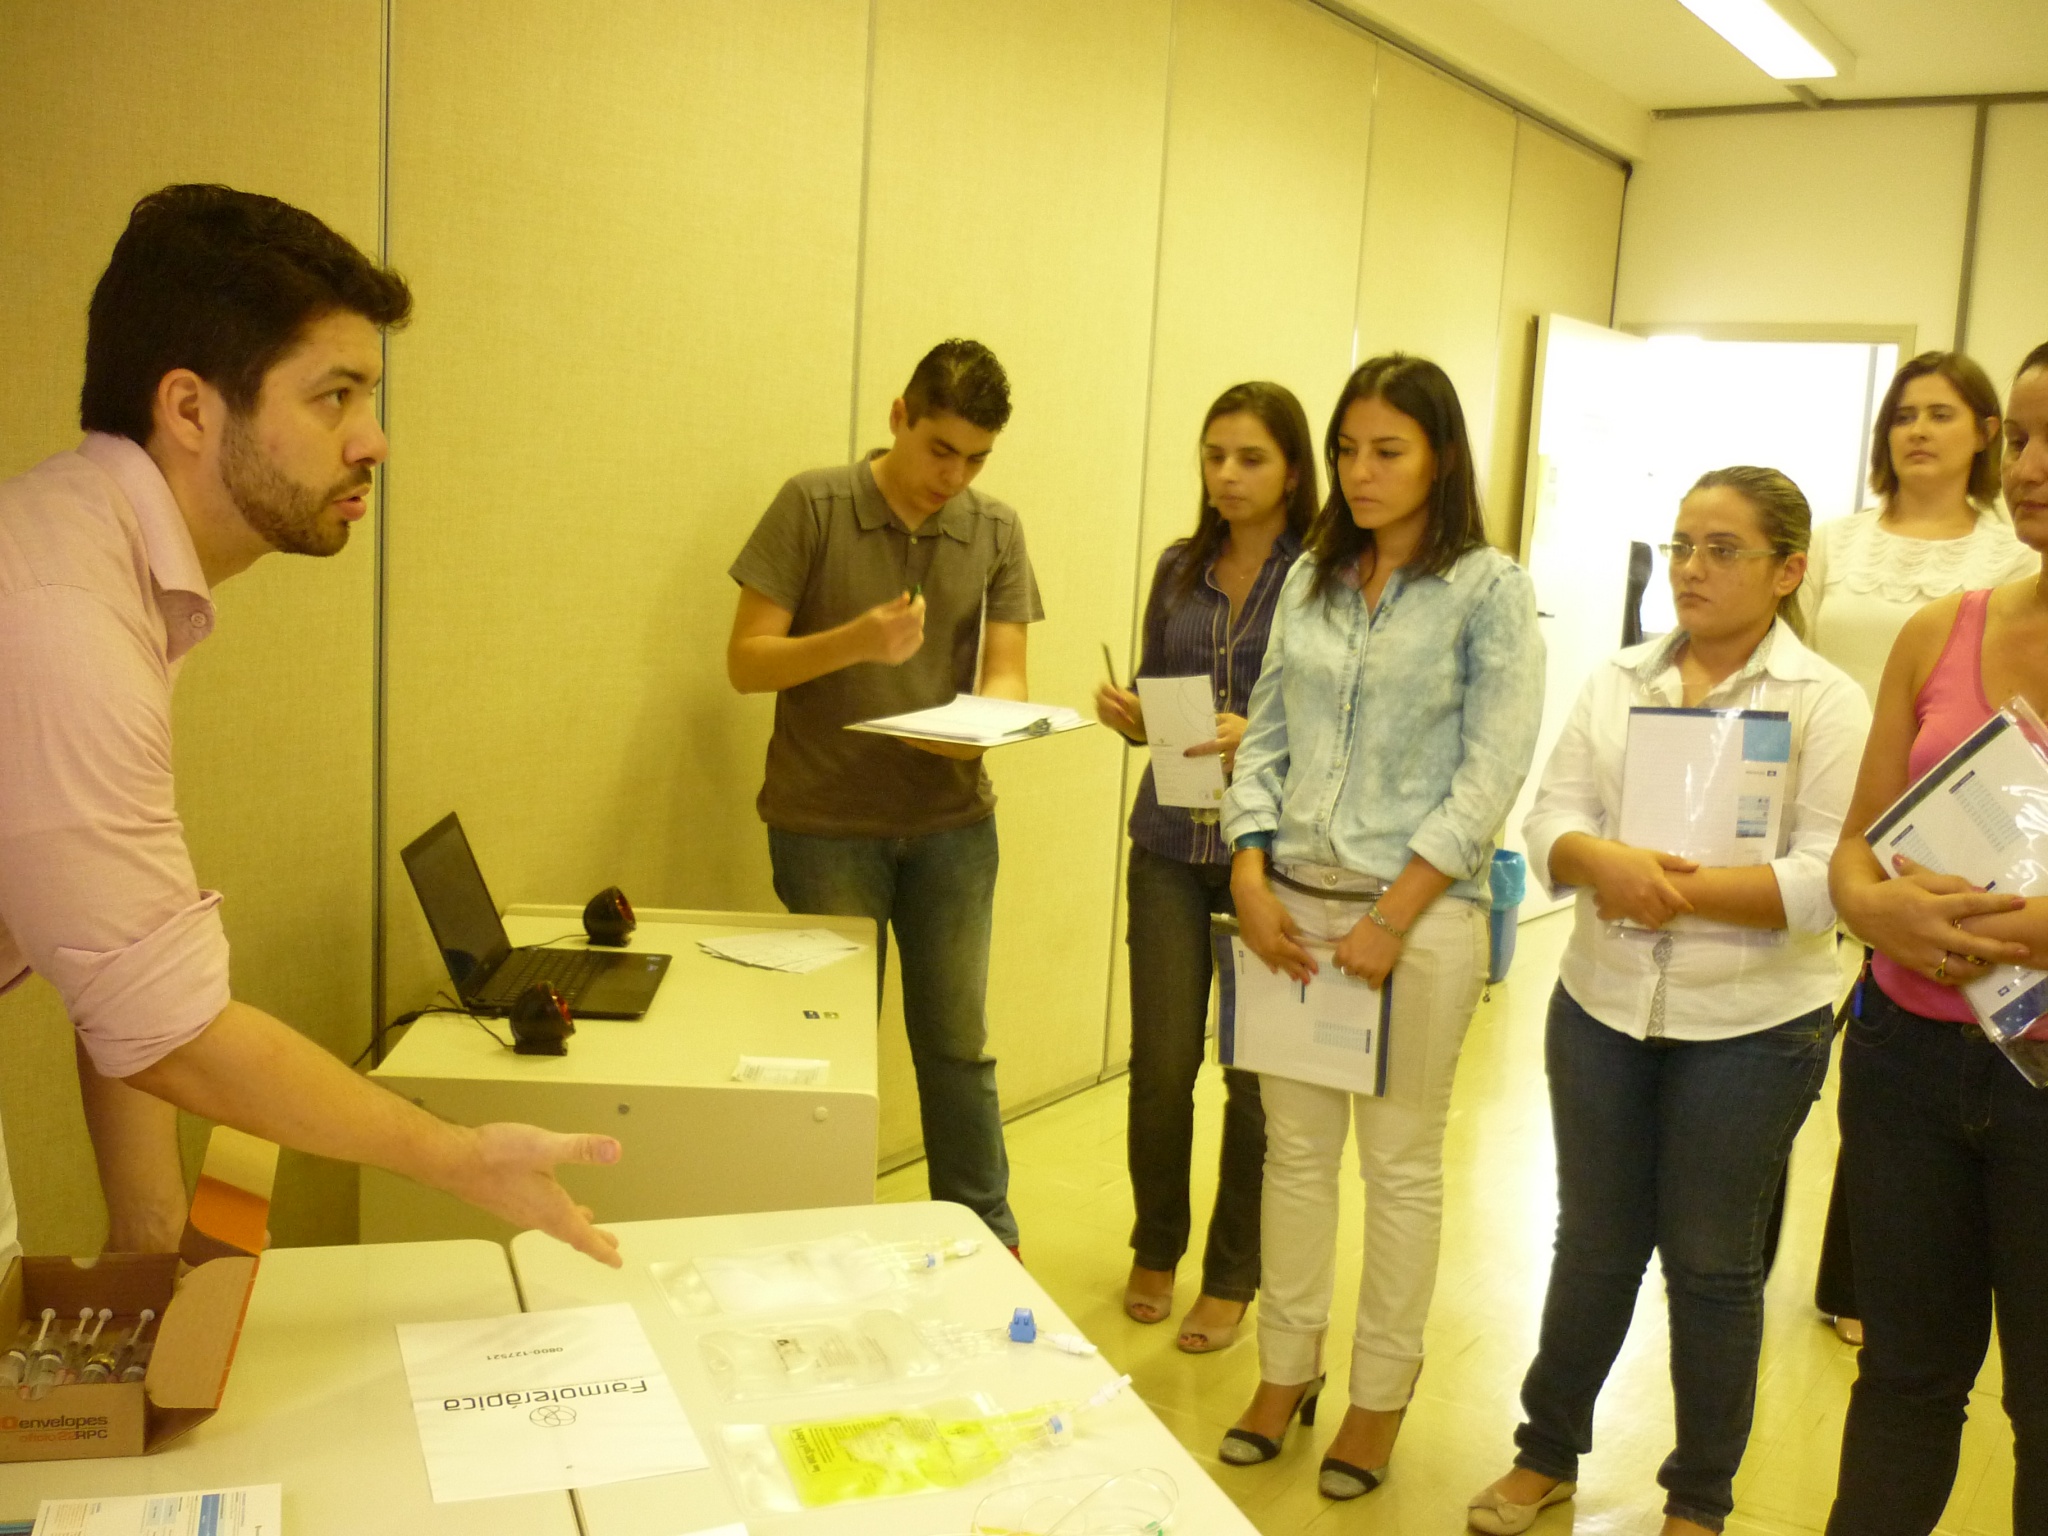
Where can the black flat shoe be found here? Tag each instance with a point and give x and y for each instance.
(1247, 1448)
(1341, 1480)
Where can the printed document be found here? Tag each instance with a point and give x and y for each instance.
(801, 950)
(543, 1401)
(1706, 784)
(978, 722)
(1330, 1030)
(1982, 813)
(1180, 712)
(255, 1511)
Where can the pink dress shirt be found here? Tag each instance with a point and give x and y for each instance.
(101, 596)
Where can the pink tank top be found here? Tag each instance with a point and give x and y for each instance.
(1950, 706)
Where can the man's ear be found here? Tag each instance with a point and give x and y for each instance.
(178, 411)
(899, 415)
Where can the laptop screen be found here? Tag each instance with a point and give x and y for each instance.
(458, 907)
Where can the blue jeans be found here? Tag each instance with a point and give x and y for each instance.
(1945, 1164)
(938, 892)
(1172, 961)
(1674, 1146)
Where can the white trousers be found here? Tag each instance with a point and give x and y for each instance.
(1437, 983)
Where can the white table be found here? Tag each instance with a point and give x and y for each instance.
(981, 1290)
(695, 1141)
(316, 1400)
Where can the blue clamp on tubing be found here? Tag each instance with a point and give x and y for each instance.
(1023, 1327)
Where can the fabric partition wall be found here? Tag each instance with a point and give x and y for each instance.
(1019, 204)
(633, 230)
(273, 713)
(1257, 269)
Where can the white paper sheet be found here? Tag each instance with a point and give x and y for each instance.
(1982, 813)
(1706, 784)
(977, 721)
(542, 1401)
(1331, 1030)
(783, 1071)
(800, 950)
(252, 1511)
(1180, 712)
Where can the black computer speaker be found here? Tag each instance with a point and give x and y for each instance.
(608, 917)
(541, 1022)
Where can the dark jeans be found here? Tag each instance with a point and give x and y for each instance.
(1673, 1146)
(1945, 1159)
(938, 893)
(1171, 963)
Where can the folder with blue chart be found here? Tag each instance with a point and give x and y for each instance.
(1981, 813)
(1331, 1029)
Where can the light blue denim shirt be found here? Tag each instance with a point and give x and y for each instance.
(1407, 731)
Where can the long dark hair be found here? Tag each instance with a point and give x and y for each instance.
(1281, 415)
(1423, 392)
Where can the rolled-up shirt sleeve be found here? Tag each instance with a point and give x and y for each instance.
(97, 889)
(1252, 804)
(1502, 713)
(1830, 751)
(1568, 795)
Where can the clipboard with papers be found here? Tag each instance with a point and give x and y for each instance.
(1330, 1030)
(975, 720)
(1981, 813)
(1707, 784)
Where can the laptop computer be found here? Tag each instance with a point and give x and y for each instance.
(489, 974)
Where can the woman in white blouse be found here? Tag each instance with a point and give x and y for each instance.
(1689, 1031)
(1936, 531)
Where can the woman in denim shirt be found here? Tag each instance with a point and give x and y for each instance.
(1391, 729)
(1208, 614)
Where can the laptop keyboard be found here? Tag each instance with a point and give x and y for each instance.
(571, 970)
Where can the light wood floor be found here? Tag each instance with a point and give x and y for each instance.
(1073, 1203)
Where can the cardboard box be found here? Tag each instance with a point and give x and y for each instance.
(199, 1294)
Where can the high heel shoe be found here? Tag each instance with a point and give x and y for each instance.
(1247, 1448)
(1339, 1479)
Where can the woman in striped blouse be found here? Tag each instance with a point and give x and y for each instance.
(1211, 603)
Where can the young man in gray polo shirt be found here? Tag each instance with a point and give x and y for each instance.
(869, 589)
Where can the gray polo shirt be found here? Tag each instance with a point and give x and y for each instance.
(828, 549)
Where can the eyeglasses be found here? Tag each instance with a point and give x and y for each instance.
(1719, 556)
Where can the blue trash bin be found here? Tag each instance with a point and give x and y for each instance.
(1510, 882)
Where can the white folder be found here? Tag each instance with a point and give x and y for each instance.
(1330, 1030)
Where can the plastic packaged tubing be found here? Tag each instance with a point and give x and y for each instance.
(1140, 1503)
(840, 1271)
(882, 1455)
(14, 1367)
(819, 1355)
(962, 1341)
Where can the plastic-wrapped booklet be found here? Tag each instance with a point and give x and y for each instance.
(1981, 813)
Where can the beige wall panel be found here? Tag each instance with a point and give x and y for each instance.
(2009, 297)
(1844, 218)
(98, 105)
(1563, 222)
(1015, 199)
(633, 232)
(1268, 124)
(1436, 233)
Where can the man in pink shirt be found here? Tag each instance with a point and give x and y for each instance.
(232, 356)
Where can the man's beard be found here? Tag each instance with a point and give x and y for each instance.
(287, 515)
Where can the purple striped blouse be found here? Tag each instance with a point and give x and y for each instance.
(1186, 637)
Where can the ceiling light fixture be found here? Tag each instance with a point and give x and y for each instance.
(1780, 37)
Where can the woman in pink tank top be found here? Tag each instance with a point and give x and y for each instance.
(1944, 1144)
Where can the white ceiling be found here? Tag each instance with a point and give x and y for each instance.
(1658, 54)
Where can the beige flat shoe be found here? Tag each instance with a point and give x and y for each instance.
(1491, 1513)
